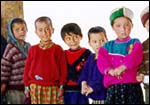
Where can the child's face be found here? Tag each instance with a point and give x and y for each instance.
(122, 27)
(19, 31)
(97, 40)
(147, 25)
(72, 40)
(44, 31)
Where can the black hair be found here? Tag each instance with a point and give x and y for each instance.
(96, 29)
(71, 28)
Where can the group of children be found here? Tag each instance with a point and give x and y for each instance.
(49, 75)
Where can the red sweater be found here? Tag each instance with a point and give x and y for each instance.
(45, 67)
(76, 60)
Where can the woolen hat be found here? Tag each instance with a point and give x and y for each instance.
(144, 15)
(120, 12)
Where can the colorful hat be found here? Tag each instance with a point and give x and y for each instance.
(119, 12)
(144, 15)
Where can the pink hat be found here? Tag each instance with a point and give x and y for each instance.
(145, 15)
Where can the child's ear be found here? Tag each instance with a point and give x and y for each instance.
(35, 31)
(89, 43)
(80, 37)
(53, 30)
(105, 40)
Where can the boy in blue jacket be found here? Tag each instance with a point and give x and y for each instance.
(91, 80)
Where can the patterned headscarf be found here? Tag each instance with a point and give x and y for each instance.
(11, 38)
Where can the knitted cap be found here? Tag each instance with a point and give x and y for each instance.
(144, 15)
(119, 12)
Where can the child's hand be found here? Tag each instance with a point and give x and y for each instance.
(27, 93)
(84, 87)
(3, 88)
(90, 90)
(119, 71)
(140, 77)
(111, 72)
(60, 92)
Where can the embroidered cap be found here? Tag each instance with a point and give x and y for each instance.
(119, 12)
(144, 15)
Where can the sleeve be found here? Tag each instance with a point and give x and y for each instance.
(6, 64)
(97, 85)
(84, 73)
(3, 45)
(103, 62)
(63, 67)
(27, 68)
(134, 59)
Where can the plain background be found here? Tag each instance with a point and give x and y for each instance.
(85, 13)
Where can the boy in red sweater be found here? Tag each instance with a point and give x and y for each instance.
(45, 69)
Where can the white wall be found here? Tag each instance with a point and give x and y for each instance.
(85, 13)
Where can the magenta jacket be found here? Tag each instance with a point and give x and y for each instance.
(114, 53)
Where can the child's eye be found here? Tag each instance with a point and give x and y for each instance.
(67, 39)
(102, 40)
(118, 25)
(127, 25)
(94, 41)
(76, 37)
(17, 30)
(23, 29)
(47, 28)
(40, 30)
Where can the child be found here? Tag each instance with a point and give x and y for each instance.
(13, 62)
(45, 69)
(76, 57)
(119, 60)
(91, 80)
(3, 46)
(144, 69)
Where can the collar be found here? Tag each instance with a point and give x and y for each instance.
(122, 41)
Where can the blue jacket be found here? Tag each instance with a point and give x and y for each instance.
(94, 79)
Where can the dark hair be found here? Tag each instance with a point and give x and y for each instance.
(96, 29)
(44, 19)
(71, 28)
(18, 20)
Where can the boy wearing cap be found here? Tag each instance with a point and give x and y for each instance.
(119, 60)
(144, 68)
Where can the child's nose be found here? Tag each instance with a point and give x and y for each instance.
(72, 39)
(22, 31)
(99, 43)
(122, 28)
(43, 32)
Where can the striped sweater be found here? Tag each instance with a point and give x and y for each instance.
(144, 68)
(12, 67)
